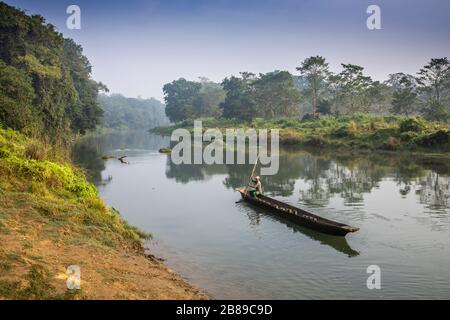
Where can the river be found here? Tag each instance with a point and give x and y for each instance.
(232, 250)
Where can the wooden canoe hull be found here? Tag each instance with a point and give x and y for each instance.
(299, 216)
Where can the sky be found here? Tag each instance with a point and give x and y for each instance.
(137, 46)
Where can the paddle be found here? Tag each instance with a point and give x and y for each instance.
(253, 172)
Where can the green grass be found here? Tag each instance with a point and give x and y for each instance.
(358, 131)
(52, 198)
(57, 191)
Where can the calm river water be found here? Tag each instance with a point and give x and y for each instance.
(233, 250)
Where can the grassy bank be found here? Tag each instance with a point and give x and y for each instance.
(357, 131)
(51, 217)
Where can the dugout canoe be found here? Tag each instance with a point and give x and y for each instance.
(298, 216)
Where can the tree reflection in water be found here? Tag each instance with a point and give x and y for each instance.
(325, 174)
(320, 174)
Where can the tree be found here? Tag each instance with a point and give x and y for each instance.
(379, 97)
(434, 79)
(324, 106)
(404, 94)
(58, 93)
(179, 96)
(353, 88)
(316, 71)
(275, 95)
(16, 99)
(239, 102)
(208, 100)
(85, 113)
(132, 113)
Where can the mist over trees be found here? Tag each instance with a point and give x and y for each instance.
(405, 92)
(46, 89)
(45, 80)
(124, 113)
(268, 95)
(315, 91)
(187, 99)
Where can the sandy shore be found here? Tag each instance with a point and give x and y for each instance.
(34, 257)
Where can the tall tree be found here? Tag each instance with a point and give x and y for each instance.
(33, 56)
(316, 71)
(208, 100)
(353, 88)
(239, 102)
(404, 96)
(179, 96)
(434, 79)
(276, 95)
(16, 100)
(85, 113)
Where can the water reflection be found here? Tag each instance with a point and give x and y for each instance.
(88, 157)
(399, 201)
(338, 243)
(434, 191)
(91, 151)
(326, 175)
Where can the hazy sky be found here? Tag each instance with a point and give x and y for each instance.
(136, 46)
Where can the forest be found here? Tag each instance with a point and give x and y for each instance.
(46, 88)
(123, 113)
(317, 107)
(47, 91)
(313, 92)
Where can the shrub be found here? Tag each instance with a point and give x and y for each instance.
(408, 136)
(36, 150)
(309, 117)
(340, 132)
(412, 124)
(440, 137)
(352, 128)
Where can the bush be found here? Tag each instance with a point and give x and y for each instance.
(351, 129)
(408, 136)
(412, 124)
(309, 117)
(340, 132)
(440, 137)
(36, 150)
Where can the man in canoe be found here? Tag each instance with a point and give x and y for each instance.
(255, 186)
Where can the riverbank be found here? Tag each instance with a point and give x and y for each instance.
(51, 218)
(359, 131)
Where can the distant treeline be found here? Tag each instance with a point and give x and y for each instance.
(314, 91)
(46, 87)
(120, 112)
